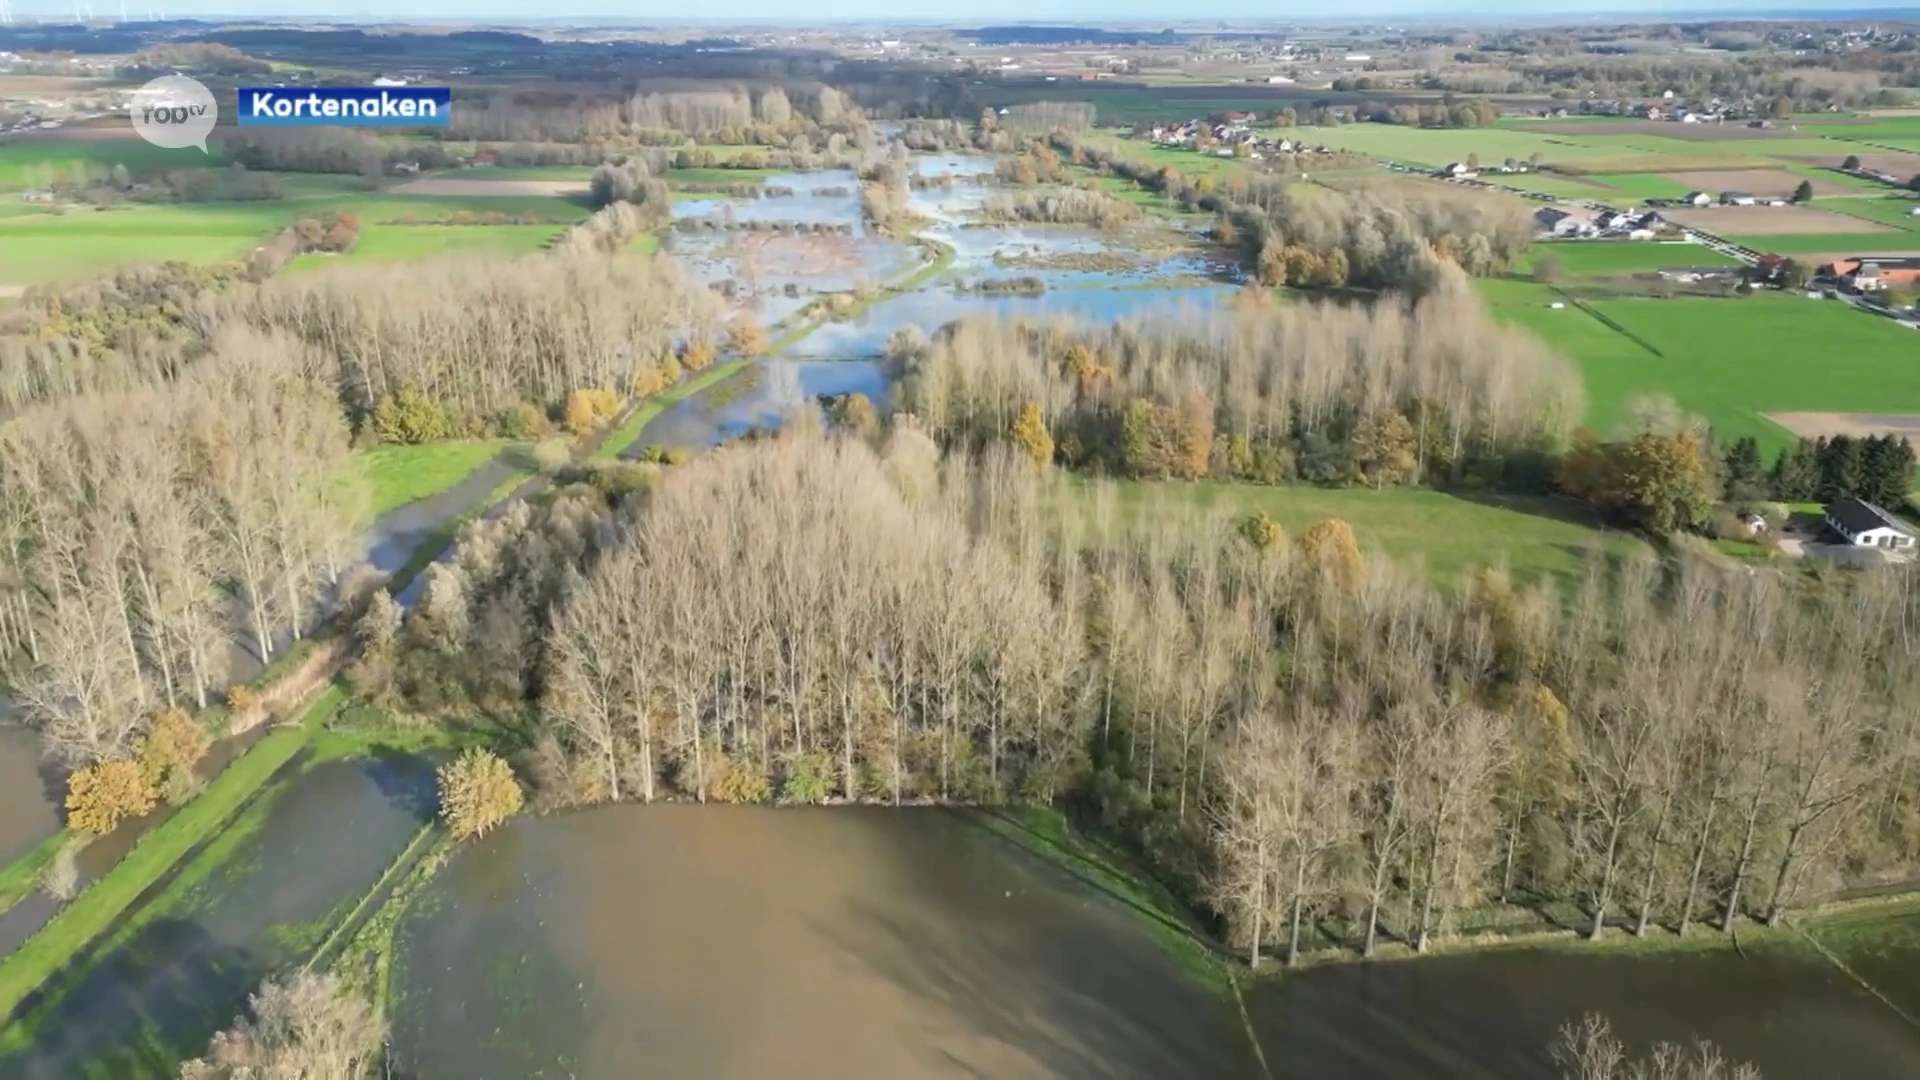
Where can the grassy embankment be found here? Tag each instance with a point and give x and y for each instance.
(22, 876)
(97, 909)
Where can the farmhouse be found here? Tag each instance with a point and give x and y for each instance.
(1866, 525)
(1736, 198)
(1873, 273)
(1557, 222)
(1698, 198)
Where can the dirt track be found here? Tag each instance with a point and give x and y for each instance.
(452, 187)
(1770, 221)
(1813, 425)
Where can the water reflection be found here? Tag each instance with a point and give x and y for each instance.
(758, 398)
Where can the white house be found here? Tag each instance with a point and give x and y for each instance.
(1736, 198)
(1698, 198)
(1866, 525)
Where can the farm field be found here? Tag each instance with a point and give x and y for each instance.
(1590, 258)
(53, 247)
(1729, 361)
(1447, 535)
(1190, 162)
(1769, 221)
(1895, 211)
(34, 162)
(1822, 247)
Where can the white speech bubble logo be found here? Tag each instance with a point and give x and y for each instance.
(175, 112)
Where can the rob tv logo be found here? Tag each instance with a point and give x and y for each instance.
(175, 112)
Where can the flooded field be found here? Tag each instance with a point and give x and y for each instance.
(255, 900)
(759, 397)
(866, 333)
(716, 942)
(681, 941)
(1494, 1015)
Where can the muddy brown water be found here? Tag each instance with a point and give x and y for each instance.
(714, 942)
(222, 921)
(29, 787)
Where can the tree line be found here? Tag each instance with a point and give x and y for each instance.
(149, 532)
(478, 337)
(1393, 392)
(1318, 746)
(1378, 236)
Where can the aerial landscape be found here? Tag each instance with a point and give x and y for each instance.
(936, 545)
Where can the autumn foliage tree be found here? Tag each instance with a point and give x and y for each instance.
(1659, 481)
(1031, 436)
(170, 751)
(477, 793)
(101, 796)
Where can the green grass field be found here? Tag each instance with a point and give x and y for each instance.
(1190, 162)
(1728, 361)
(37, 162)
(1832, 243)
(1587, 258)
(45, 247)
(1535, 537)
(398, 475)
(1892, 210)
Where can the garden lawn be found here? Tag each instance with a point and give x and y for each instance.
(398, 475)
(1728, 361)
(1534, 536)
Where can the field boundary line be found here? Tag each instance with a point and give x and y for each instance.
(1821, 948)
(1609, 322)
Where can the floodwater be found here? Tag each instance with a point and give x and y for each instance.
(831, 196)
(717, 942)
(1494, 1015)
(682, 941)
(29, 792)
(242, 909)
(772, 388)
(866, 333)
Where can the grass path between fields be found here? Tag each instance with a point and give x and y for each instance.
(96, 910)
